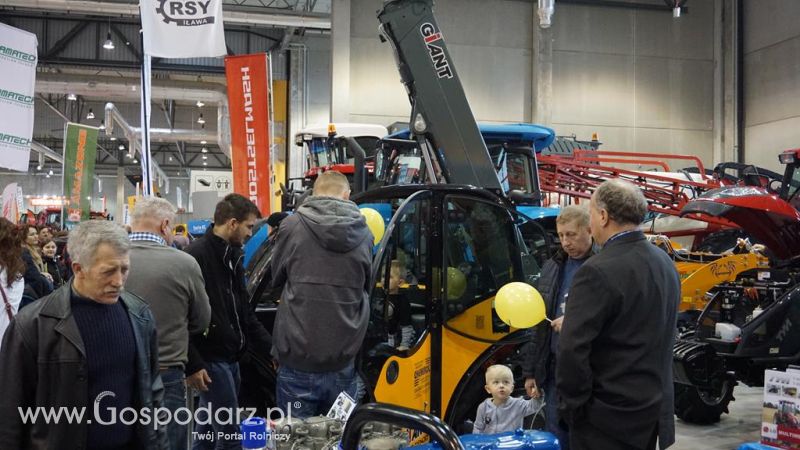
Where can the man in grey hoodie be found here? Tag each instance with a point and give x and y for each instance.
(322, 259)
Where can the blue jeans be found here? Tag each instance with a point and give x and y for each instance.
(223, 392)
(551, 416)
(174, 399)
(311, 393)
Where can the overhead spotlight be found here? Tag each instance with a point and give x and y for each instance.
(39, 167)
(203, 142)
(200, 104)
(205, 163)
(72, 97)
(102, 124)
(204, 150)
(128, 155)
(90, 115)
(200, 120)
(108, 44)
(121, 147)
(205, 157)
(113, 138)
(170, 158)
(47, 176)
(50, 172)
(136, 161)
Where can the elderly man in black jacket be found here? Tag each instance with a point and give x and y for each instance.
(88, 348)
(614, 371)
(572, 225)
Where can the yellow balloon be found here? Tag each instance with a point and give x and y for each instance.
(456, 283)
(374, 223)
(519, 305)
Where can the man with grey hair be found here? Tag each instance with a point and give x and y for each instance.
(575, 236)
(88, 346)
(170, 281)
(614, 365)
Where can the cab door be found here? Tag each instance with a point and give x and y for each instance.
(396, 355)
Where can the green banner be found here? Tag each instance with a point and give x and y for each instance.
(80, 150)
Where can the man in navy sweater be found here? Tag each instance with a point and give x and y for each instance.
(87, 347)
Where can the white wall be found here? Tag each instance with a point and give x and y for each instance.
(772, 80)
(641, 79)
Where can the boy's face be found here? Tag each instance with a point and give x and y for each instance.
(500, 386)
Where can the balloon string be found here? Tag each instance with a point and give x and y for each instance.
(545, 318)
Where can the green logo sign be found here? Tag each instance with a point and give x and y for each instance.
(16, 97)
(14, 140)
(16, 54)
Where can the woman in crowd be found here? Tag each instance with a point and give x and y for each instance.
(53, 264)
(37, 280)
(11, 269)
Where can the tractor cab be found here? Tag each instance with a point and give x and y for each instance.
(790, 186)
(445, 253)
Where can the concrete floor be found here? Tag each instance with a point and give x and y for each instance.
(742, 425)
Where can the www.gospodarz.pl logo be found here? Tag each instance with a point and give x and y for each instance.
(185, 13)
(16, 98)
(17, 55)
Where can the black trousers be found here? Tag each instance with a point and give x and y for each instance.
(585, 436)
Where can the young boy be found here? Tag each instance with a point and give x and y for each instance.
(502, 412)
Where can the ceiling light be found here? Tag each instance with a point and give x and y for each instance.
(170, 158)
(121, 147)
(102, 124)
(205, 157)
(39, 167)
(200, 120)
(204, 150)
(113, 138)
(205, 163)
(200, 104)
(50, 172)
(128, 155)
(203, 142)
(47, 176)
(71, 97)
(90, 115)
(136, 161)
(108, 44)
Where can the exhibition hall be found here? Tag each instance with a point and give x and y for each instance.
(400, 224)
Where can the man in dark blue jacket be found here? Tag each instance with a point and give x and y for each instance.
(614, 371)
(572, 225)
(213, 366)
(322, 259)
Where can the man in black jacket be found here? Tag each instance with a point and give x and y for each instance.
(614, 370)
(572, 225)
(322, 259)
(213, 365)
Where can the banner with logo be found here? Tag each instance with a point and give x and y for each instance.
(11, 203)
(248, 102)
(18, 58)
(183, 28)
(80, 150)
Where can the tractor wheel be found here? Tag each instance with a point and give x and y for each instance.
(702, 407)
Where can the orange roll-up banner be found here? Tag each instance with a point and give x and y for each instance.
(248, 102)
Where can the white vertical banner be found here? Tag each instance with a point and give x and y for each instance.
(183, 28)
(144, 150)
(18, 57)
(10, 202)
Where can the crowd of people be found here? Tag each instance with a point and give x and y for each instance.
(124, 318)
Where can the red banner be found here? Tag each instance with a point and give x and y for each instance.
(248, 102)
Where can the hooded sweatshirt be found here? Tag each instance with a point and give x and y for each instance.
(322, 259)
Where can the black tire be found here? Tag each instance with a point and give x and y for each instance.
(702, 408)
